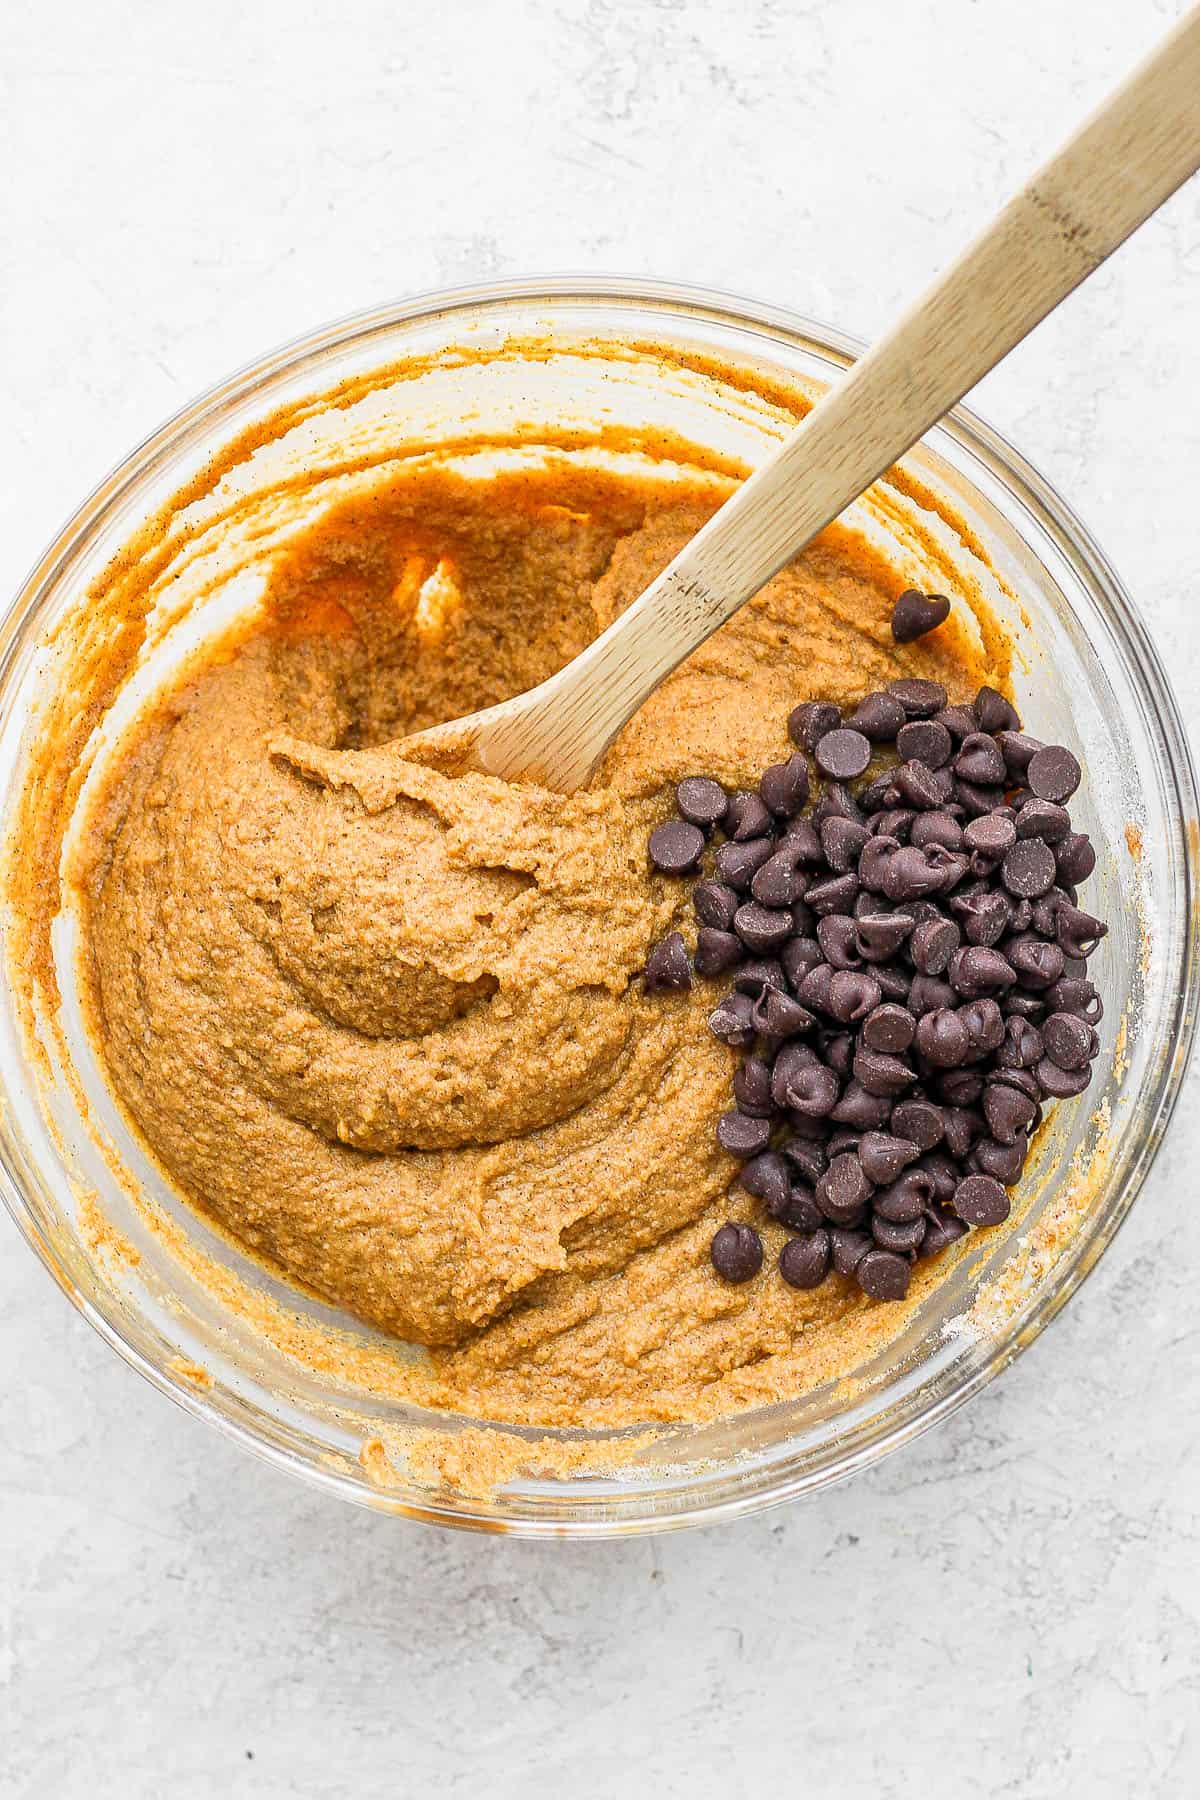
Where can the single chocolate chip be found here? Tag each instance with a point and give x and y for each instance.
(958, 1088)
(793, 1065)
(799, 838)
(1068, 1040)
(993, 834)
(809, 722)
(985, 917)
(1018, 1005)
(933, 944)
(920, 699)
(842, 841)
(980, 1200)
(1009, 1113)
(798, 956)
(843, 1190)
(975, 971)
(1043, 819)
(882, 1275)
(918, 1121)
(799, 1212)
(894, 982)
(784, 786)
(1028, 870)
(852, 995)
(979, 761)
(936, 828)
(778, 882)
(1075, 857)
(889, 1028)
(941, 1230)
(836, 895)
(1003, 1162)
(909, 873)
(676, 847)
(804, 1261)
(715, 904)
(985, 1025)
(762, 928)
(737, 1252)
(746, 817)
(884, 1157)
(942, 1039)
(924, 741)
(778, 1016)
(881, 1074)
(849, 1248)
(843, 754)
(742, 1135)
(1060, 1084)
(814, 988)
(994, 712)
(1022, 1081)
(880, 935)
(837, 802)
(738, 863)
(838, 937)
(1077, 932)
(809, 1160)
(944, 1173)
(895, 822)
(919, 787)
(878, 795)
(928, 992)
(667, 966)
(905, 1240)
(975, 800)
(733, 1021)
(915, 613)
(877, 853)
(1053, 774)
(752, 1088)
(1038, 965)
(701, 801)
(878, 716)
(766, 1176)
(716, 951)
(859, 1110)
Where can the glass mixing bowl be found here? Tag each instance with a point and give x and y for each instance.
(721, 376)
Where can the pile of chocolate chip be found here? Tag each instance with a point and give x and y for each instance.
(907, 962)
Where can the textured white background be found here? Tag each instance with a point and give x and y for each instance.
(1011, 1607)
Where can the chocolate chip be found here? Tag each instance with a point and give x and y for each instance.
(909, 872)
(738, 863)
(767, 1177)
(877, 853)
(842, 841)
(905, 1240)
(784, 786)
(852, 995)
(799, 1212)
(802, 1083)
(975, 971)
(915, 613)
(896, 822)
(994, 712)
(976, 801)
(804, 1261)
(798, 956)
(927, 993)
(1038, 965)
(778, 882)
(676, 847)
(838, 938)
(1009, 1114)
(960, 721)
(959, 1088)
(737, 1252)
(884, 1157)
(1077, 932)
(742, 1135)
(849, 1248)
(1003, 1162)
(860, 1110)
(778, 1016)
(936, 828)
(1060, 1084)
(837, 802)
(1028, 870)
(979, 761)
(752, 1088)
(878, 795)
(837, 895)
(843, 754)
(980, 1200)
(843, 1190)
(941, 1230)
(762, 928)
(1022, 1046)
(985, 1025)
(883, 1275)
(1018, 750)
(920, 699)
(746, 817)
(759, 973)
(814, 988)
(715, 904)
(716, 951)
(1042, 819)
(993, 834)
(667, 966)
(888, 1028)
(985, 917)
(880, 935)
(881, 1074)
(1053, 774)
(1068, 1040)
(733, 1021)
(894, 982)
(809, 1160)
(919, 787)
(701, 801)
(919, 1122)
(933, 944)
(924, 741)
(942, 1038)
(944, 1173)
(809, 722)
(1075, 857)
(878, 716)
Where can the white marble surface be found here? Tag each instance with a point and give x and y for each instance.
(1012, 1606)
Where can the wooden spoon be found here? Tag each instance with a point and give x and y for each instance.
(1117, 169)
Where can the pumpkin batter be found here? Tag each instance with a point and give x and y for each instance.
(385, 1025)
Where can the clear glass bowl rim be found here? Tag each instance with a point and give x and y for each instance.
(1072, 540)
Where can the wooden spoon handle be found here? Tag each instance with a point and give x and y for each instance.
(1121, 165)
